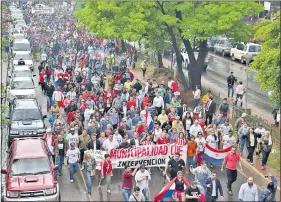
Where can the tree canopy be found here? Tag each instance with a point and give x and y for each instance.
(178, 22)
(267, 63)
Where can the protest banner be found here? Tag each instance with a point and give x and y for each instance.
(149, 155)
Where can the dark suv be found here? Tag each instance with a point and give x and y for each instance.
(30, 173)
(26, 119)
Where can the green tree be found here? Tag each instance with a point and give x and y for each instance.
(267, 63)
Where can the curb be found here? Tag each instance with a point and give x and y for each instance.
(254, 169)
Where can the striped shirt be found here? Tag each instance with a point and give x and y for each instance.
(180, 141)
(147, 142)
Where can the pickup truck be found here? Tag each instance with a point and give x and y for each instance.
(185, 59)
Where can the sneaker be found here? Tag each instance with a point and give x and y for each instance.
(252, 163)
(262, 167)
(230, 193)
(108, 192)
(71, 181)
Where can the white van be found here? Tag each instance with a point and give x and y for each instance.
(241, 51)
(21, 46)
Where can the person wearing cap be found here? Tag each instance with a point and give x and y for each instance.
(230, 84)
(106, 172)
(72, 137)
(228, 140)
(192, 193)
(72, 156)
(142, 179)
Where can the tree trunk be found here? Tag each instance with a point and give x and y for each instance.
(122, 45)
(160, 61)
(178, 58)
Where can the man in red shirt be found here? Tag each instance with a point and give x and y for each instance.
(163, 139)
(127, 182)
(230, 162)
(106, 172)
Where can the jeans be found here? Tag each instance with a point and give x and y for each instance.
(88, 180)
(191, 161)
(242, 142)
(231, 177)
(107, 180)
(49, 101)
(196, 102)
(59, 162)
(146, 194)
(232, 89)
(126, 193)
(73, 168)
(251, 150)
(264, 157)
(82, 155)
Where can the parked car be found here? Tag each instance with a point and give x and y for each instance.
(185, 59)
(21, 87)
(26, 57)
(26, 119)
(21, 46)
(245, 52)
(223, 47)
(18, 36)
(30, 173)
(21, 71)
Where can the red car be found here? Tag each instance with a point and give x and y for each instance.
(30, 173)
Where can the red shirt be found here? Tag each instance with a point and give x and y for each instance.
(127, 180)
(175, 86)
(70, 116)
(140, 129)
(85, 95)
(160, 140)
(131, 103)
(109, 95)
(231, 161)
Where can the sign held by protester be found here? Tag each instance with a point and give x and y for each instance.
(149, 155)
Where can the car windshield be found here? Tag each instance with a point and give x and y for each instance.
(25, 73)
(26, 114)
(24, 57)
(26, 84)
(21, 47)
(30, 166)
(254, 48)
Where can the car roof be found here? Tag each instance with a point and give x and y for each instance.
(25, 104)
(28, 148)
(21, 68)
(254, 44)
(22, 79)
(21, 41)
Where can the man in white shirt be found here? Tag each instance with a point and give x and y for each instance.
(228, 140)
(248, 191)
(117, 137)
(58, 96)
(142, 178)
(71, 94)
(72, 137)
(195, 128)
(72, 155)
(110, 143)
(212, 141)
(158, 103)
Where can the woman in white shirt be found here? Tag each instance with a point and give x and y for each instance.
(240, 90)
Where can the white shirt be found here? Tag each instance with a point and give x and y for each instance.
(140, 181)
(247, 193)
(197, 94)
(187, 124)
(201, 143)
(72, 155)
(57, 96)
(88, 113)
(158, 102)
(72, 95)
(72, 138)
(157, 133)
(124, 110)
(240, 89)
(228, 141)
(170, 83)
(195, 129)
(118, 138)
(212, 142)
(108, 145)
(137, 142)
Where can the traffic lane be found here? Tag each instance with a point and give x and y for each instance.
(72, 191)
(156, 184)
(224, 67)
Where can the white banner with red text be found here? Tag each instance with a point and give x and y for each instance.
(149, 155)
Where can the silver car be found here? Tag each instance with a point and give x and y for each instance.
(223, 47)
(21, 71)
(21, 87)
(26, 57)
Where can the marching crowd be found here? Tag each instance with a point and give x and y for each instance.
(97, 105)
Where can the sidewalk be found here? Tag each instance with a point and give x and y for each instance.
(248, 168)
